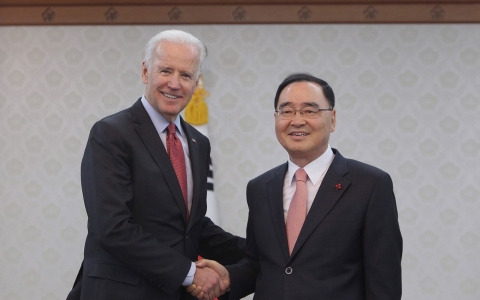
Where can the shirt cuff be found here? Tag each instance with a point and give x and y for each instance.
(189, 279)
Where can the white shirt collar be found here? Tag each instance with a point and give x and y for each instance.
(158, 120)
(314, 169)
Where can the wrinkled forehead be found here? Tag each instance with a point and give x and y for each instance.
(184, 55)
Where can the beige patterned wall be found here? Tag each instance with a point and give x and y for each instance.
(408, 101)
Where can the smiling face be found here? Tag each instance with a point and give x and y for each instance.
(171, 79)
(304, 139)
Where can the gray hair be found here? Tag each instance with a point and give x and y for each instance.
(177, 37)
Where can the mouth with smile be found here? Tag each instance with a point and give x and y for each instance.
(298, 134)
(170, 96)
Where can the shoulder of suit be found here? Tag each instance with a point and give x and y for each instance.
(135, 113)
(270, 173)
(356, 166)
(118, 118)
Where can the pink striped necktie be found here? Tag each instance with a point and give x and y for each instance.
(177, 157)
(297, 211)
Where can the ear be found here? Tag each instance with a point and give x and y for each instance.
(144, 73)
(333, 120)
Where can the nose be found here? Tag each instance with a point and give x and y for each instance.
(174, 82)
(297, 119)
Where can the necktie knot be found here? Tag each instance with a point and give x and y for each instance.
(301, 175)
(171, 129)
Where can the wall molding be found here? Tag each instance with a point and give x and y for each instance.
(123, 12)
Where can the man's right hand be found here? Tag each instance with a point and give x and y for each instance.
(211, 280)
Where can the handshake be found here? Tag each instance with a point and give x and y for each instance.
(210, 281)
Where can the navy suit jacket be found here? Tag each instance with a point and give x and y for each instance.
(139, 243)
(349, 247)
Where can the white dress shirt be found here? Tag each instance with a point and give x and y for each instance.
(316, 172)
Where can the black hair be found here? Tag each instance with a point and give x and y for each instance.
(305, 77)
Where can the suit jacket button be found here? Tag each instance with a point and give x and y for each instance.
(289, 270)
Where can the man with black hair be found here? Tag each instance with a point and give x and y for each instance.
(320, 226)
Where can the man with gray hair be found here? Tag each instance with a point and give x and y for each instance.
(144, 182)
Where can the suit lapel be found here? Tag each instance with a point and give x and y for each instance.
(275, 200)
(149, 136)
(326, 198)
(195, 164)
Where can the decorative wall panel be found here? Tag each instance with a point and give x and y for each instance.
(408, 101)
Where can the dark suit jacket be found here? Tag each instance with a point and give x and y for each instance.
(139, 245)
(349, 247)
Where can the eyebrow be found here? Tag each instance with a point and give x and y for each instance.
(304, 104)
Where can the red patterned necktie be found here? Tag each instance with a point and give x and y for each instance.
(297, 211)
(175, 151)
